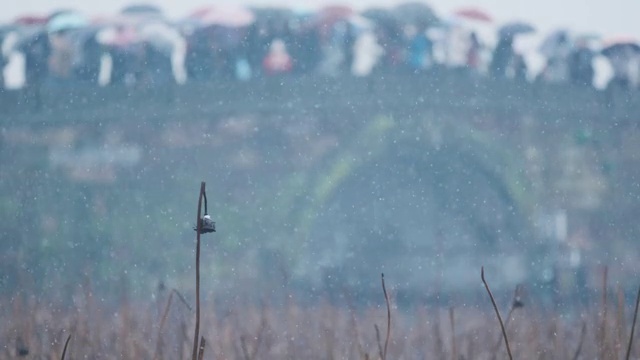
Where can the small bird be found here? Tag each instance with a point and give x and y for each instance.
(206, 225)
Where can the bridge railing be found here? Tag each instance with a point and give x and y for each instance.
(438, 90)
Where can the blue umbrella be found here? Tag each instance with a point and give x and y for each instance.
(416, 13)
(66, 21)
(142, 9)
(515, 28)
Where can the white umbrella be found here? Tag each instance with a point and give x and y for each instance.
(161, 36)
(66, 21)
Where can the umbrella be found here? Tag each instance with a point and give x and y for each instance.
(473, 14)
(66, 21)
(381, 17)
(223, 15)
(161, 36)
(329, 15)
(515, 28)
(273, 15)
(415, 13)
(141, 9)
(31, 20)
(60, 11)
(619, 45)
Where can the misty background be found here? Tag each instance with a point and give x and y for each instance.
(319, 177)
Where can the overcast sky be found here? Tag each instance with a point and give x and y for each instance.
(607, 17)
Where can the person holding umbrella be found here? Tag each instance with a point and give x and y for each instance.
(3, 58)
(557, 48)
(278, 61)
(218, 40)
(159, 42)
(420, 49)
(475, 22)
(581, 71)
(473, 53)
(60, 26)
(624, 55)
(504, 57)
(36, 50)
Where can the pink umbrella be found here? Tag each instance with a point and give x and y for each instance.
(330, 15)
(473, 14)
(334, 13)
(31, 20)
(223, 15)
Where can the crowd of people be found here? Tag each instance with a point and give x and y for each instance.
(140, 45)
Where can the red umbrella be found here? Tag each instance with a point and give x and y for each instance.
(474, 14)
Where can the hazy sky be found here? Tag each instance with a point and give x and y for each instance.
(607, 17)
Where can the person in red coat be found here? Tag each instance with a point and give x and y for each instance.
(278, 61)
